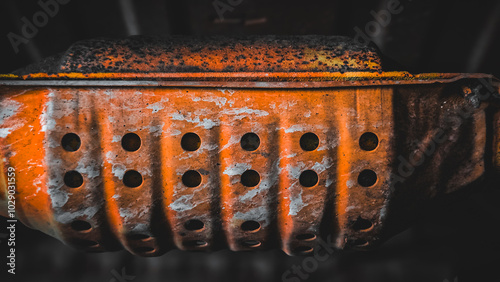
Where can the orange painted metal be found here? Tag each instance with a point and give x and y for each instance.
(149, 184)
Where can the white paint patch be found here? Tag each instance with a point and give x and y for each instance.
(8, 109)
(349, 208)
(232, 141)
(91, 169)
(295, 171)
(67, 217)
(58, 196)
(156, 130)
(260, 214)
(328, 182)
(156, 107)
(182, 203)
(116, 138)
(53, 110)
(323, 165)
(307, 114)
(206, 123)
(230, 91)
(4, 132)
(287, 104)
(141, 227)
(263, 186)
(237, 169)
(118, 170)
(383, 211)
(219, 101)
(296, 203)
(350, 183)
(126, 214)
(175, 132)
(294, 128)
(18, 125)
(240, 113)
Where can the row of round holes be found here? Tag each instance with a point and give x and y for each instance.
(191, 225)
(368, 142)
(191, 142)
(192, 178)
(250, 142)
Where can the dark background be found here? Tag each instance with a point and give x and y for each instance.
(456, 238)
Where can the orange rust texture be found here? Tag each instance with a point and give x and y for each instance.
(219, 54)
(151, 218)
(220, 117)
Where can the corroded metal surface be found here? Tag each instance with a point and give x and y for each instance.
(214, 54)
(104, 161)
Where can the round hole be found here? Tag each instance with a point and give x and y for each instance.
(71, 142)
(131, 142)
(252, 243)
(195, 243)
(308, 178)
(138, 237)
(84, 243)
(144, 250)
(250, 142)
(132, 179)
(306, 237)
(190, 142)
(194, 224)
(362, 224)
(309, 142)
(73, 179)
(250, 226)
(191, 178)
(302, 250)
(250, 178)
(367, 178)
(81, 226)
(368, 141)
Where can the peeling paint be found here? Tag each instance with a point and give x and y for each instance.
(237, 169)
(67, 217)
(260, 214)
(182, 203)
(296, 203)
(8, 109)
(118, 170)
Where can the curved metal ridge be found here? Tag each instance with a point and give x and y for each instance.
(213, 54)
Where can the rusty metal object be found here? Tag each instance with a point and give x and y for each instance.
(240, 143)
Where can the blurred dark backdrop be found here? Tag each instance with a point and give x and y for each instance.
(455, 239)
